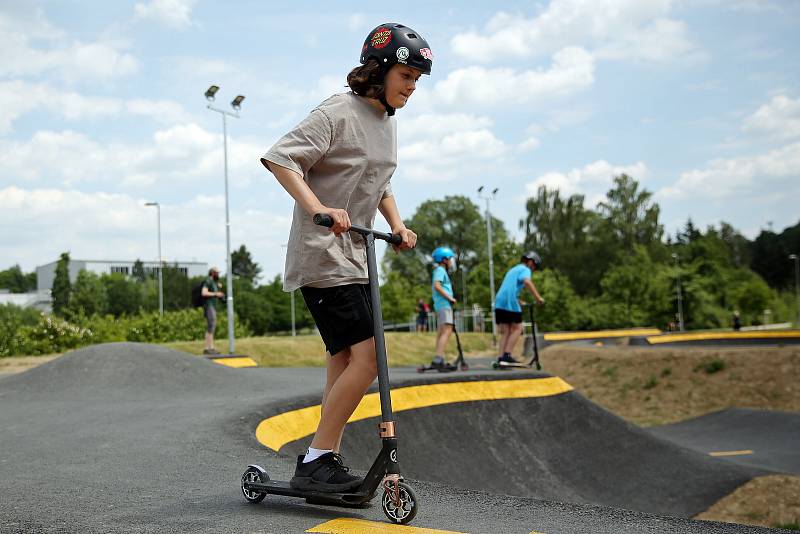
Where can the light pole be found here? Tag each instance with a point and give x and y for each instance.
(160, 261)
(236, 104)
(489, 198)
(796, 283)
(678, 291)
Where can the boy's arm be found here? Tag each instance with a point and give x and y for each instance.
(294, 184)
(388, 208)
(532, 288)
(439, 289)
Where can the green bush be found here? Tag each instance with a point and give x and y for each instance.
(13, 318)
(49, 334)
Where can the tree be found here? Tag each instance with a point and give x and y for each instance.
(177, 288)
(124, 296)
(138, 273)
(61, 285)
(244, 266)
(568, 237)
(88, 295)
(15, 281)
(631, 215)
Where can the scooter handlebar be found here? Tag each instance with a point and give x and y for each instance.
(323, 219)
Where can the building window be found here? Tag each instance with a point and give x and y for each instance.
(121, 270)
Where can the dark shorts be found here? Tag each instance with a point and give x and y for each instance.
(211, 319)
(507, 317)
(343, 314)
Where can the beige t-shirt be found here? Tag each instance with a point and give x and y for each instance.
(346, 150)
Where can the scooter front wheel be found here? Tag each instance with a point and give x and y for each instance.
(408, 506)
(254, 474)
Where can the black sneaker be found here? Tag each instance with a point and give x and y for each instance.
(507, 358)
(326, 474)
(437, 363)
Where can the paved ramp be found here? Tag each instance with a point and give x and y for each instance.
(135, 438)
(557, 447)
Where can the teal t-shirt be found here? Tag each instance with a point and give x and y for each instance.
(507, 296)
(440, 275)
(211, 285)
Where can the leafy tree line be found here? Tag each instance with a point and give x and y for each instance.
(607, 266)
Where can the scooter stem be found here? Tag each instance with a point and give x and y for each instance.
(380, 341)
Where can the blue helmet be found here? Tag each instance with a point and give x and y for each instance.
(442, 253)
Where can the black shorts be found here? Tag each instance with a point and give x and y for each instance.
(507, 317)
(343, 314)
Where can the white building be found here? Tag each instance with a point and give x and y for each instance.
(46, 273)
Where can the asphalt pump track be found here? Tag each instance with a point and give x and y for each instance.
(137, 438)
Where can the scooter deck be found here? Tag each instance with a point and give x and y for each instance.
(448, 369)
(517, 365)
(280, 487)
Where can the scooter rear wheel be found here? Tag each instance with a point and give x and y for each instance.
(254, 474)
(408, 505)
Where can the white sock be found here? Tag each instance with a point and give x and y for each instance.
(313, 454)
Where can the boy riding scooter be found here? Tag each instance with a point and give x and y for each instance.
(507, 309)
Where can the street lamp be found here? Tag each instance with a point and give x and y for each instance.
(160, 262)
(236, 104)
(678, 291)
(488, 198)
(796, 283)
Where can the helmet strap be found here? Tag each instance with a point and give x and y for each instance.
(389, 109)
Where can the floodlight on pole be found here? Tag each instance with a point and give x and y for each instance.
(236, 105)
(210, 92)
(160, 261)
(489, 198)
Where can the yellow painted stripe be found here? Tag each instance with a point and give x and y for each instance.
(731, 453)
(237, 362)
(700, 336)
(572, 336)
(281, 429)
(361, 526)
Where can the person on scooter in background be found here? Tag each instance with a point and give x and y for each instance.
(443, 302)
(507, 308)
(339, 162)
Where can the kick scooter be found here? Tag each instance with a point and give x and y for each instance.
(459, 363)
(398, 502)
(530, 345)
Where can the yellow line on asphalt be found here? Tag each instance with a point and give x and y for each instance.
(731, 453)
(237, 362)
(573, 336)
(361, 526)
(700, 336)
(283, 428)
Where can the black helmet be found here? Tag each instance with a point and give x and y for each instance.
(393, 43)
(531, 255)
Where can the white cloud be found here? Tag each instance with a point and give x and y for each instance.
(176, 156)
(592, 180)
(775, 172)
(32, 46)
(356, 21)
(616, 29)
(441, 146)
(18, 98)
(779, 118)
(175, 14)
(572, 70)
(86, 225)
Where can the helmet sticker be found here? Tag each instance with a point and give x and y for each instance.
(426, 53)
(402, 54)
(381, 38)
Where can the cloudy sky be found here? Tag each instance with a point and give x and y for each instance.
(102, 110)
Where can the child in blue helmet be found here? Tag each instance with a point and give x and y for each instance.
(443, 301)
(507, 309)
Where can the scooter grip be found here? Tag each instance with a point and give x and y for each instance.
(323, 219)
(395, 239)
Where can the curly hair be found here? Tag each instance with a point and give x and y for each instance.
(366, 80)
